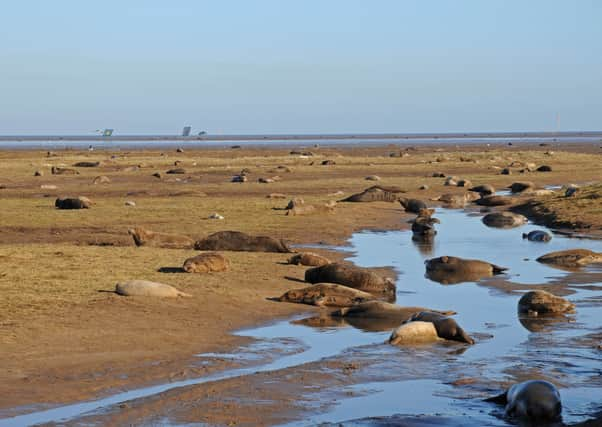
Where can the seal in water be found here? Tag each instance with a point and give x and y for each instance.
(534, 401)
(450, 270)
(352, 276)
(537, 236)
(504, 220)
(414, 333)
(571, 258)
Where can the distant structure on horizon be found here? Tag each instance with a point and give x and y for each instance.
(107, 132)
(186, 131)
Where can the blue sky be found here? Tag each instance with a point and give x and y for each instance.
(278, 66)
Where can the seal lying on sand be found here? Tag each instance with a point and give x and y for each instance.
(72, 203)
(63, 171)
(571, 258)
(534, 401)
(455, 201)
(145, 288)
(237, 241)
(537, 236)
(376, 193)
(504, 220)
(309, 259)
(537, 302)
(352, 276)
(449, 269)
(446, 327)
(326, 294)
(206, 263)
(412, 205)
(143, 237)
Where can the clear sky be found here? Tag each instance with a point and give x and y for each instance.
(278, 66)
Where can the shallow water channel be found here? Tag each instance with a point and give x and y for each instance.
(419, 380)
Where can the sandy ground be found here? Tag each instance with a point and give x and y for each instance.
(65, 337)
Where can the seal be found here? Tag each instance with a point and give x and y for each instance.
(238, 241)
(352, 276)
(412, 205)
(207, 262)
(325, 294)
(447, 328)
(537, 302)
(519, 187)
(504, 220)
(494, 201)
(424, 225)
(537, 236)
(145, 288)
(414, 333)
(143, 237)
(308, 258)
(376, 193)
(450, 270)
(534, 401)
(483, 190)
(72, 203)
(571, 258)
(374, 316)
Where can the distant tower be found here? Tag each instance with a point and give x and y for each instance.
(186, 131)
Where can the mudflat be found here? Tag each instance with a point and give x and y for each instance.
(65, 336)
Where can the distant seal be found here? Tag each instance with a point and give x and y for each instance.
(450, 270)
(534, 401)
(326, 295)
(145, 288)
(537, 236)
(483, 190)
(424, 226)
(308, 258)
(352, 276)
(412, 205)
(376, 193)
(504, 220)
(494, 201)
(447, 328)
(207, 262)
(72, 203)
(571, 258)
(144, 237)
(519, 187)
(538, 302)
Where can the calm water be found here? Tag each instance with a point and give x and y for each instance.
(416, 380)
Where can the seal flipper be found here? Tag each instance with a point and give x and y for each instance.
(497, 269)
(501, 399)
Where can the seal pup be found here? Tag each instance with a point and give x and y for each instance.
(309, 259)
(534, 401)
(206, 263)
(447, 328)
(451, 270)
(325, 295)
(537, 236)
(571, 258)
(146, 288)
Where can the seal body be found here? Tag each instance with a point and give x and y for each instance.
(519, 187)
(145, 288)
(238, 241)
(450, 270)
(326, 294)
(414, 333)
(537, 236)
(537, 302)
(376, 193)
(447, 328)
(571, 258)
(352, 276)
(308, 258)
(483, 190)
(72, 203)
(412, 205)
(494, 201)
(143, 237)
(206, 263)
(534, 400)
(504, 220)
